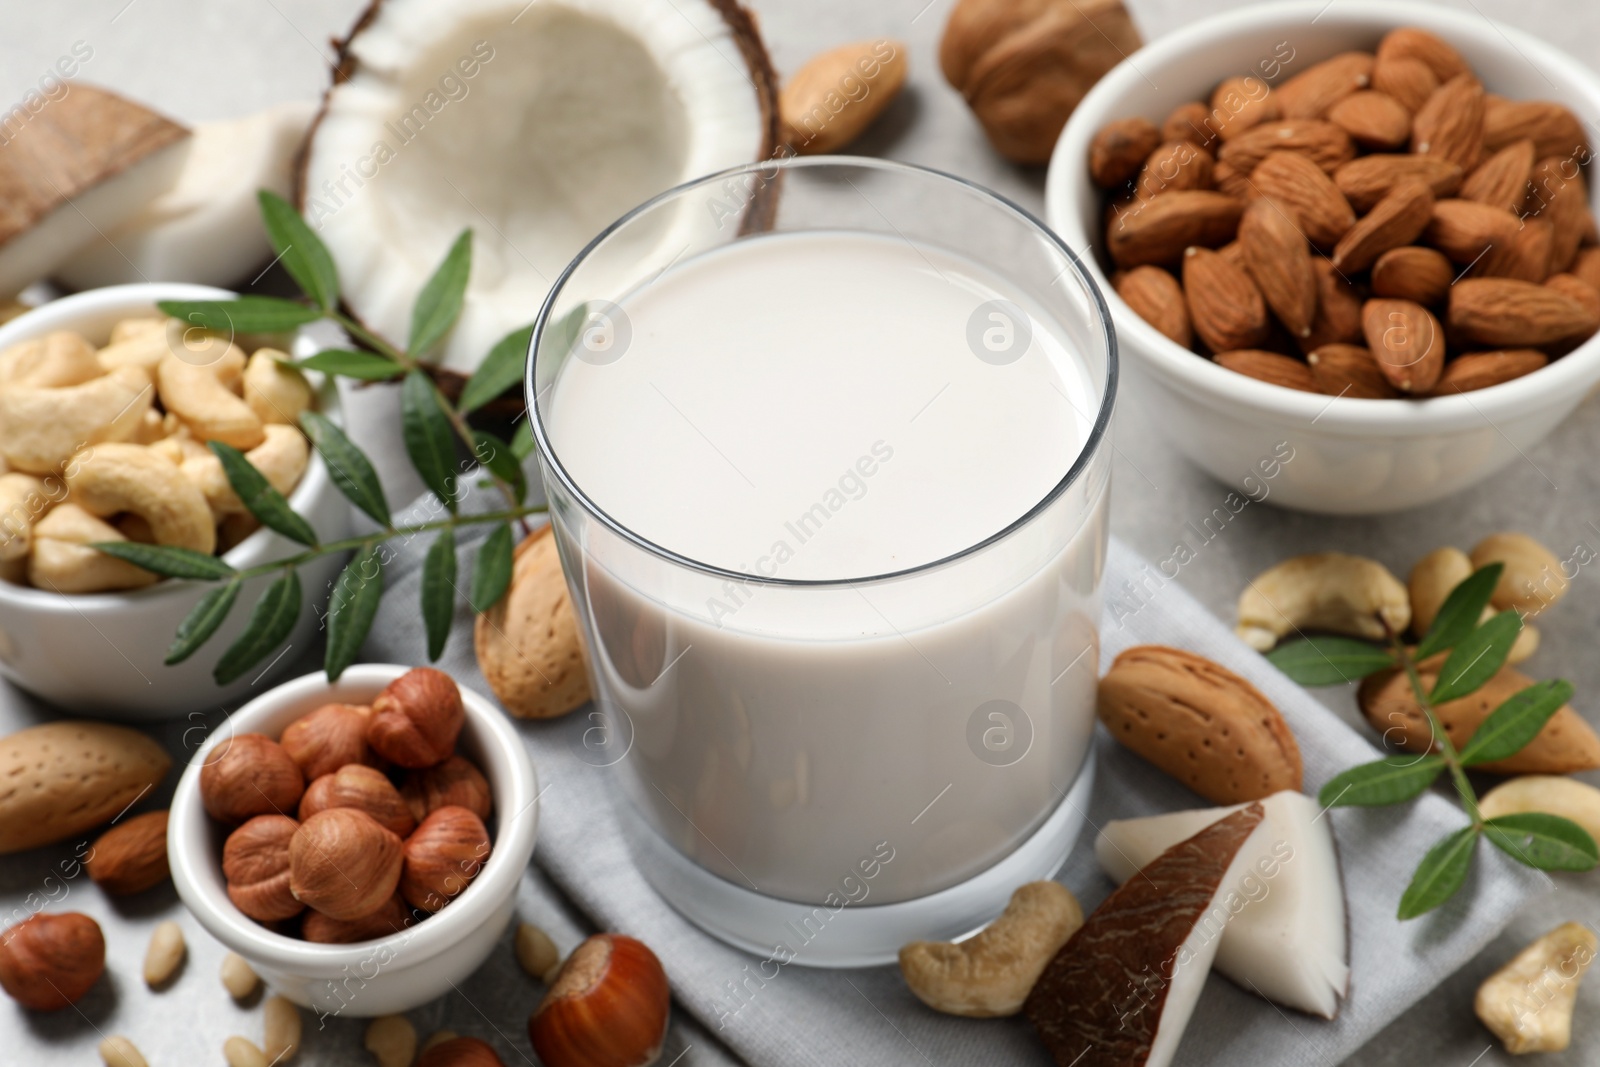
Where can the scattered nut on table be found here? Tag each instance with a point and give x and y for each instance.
(280, 1029)
(118, 1051)
(238, 977)
(536, 952)
(164, 955)
(392, 1040)
(1324, 591)
(1528, 1003)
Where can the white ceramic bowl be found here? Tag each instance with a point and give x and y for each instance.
(1350, 456)
(390, 974)
(101, 653)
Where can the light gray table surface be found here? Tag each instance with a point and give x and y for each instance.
(206, 60)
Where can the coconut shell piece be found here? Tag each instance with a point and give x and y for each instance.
(1120, 991)
(528, 644)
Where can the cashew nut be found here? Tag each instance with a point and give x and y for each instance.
(1432, 580)
(41, 427)
(54, 360)
(198, 395)
(991, 973)
(281, 458)
(23, 501)
(113, 478)
(1325, 591)
(1532, 579)
(1528, 1003)
(61, 561)
(274, 388)
(144, 350)
(128, 329)
(1550, 793)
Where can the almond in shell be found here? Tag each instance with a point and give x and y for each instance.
(1406, 341)
(1278, 258)
(1225, 306)
(1159, 229)
(1450, 124)
(1396, 220)
(1120, 149)
(1199, 722)
(1413, 273)
(1296, 182)
(1409, 82)
(1349, 370)
(1367, 180)
(528, 645)
(1157, 298)
(1480, 370)
(1506, 313)
(1501, 180)
(1271, 367)
(1309, 94)
(1372, 119)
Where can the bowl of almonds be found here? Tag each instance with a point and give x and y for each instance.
(1354, 240)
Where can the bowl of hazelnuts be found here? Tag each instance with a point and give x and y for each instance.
(360, 842)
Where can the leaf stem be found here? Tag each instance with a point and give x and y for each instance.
(1447, 748)
(372, 340)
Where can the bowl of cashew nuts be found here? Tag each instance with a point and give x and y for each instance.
(106, 408)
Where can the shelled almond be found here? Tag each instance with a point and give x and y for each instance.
(1376, 225)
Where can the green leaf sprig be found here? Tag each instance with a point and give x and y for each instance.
(1475, 651)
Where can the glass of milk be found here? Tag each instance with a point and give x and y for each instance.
(825, 442)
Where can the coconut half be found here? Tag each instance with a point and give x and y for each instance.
(536, 124)
(81, 164)
(1288, 943)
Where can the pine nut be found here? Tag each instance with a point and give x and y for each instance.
(392, 1040)
(119, 1052)
(281, 1030)
(237, 976)
(165, 954)
(535, 951)
(242, 1053)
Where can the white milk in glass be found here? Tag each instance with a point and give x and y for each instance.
(831, 408)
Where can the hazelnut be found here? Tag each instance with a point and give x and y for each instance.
(392, 916)
(343, 863)
(460, 1052)
(455, 781)
(608, 1007)
(357, 786)
(442, 857)
(255, 861)
(49, 961)
(416, 718)
(249, 775)
(132, 857)
(328, 738)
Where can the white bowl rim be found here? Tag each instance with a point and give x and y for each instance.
(1066, 184)
(59, 315)
(207, 898)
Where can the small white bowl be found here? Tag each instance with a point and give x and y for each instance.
(102, 653)
(1349, 456)
(390, 974)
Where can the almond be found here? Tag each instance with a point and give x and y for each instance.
(1309, 94)
(1189, 122)
(1587, 266)
(1156, 297)
(1174, 166)
(1527, 257)
(1349, 370)
(1270, 367)
(1227, 179)
(1199, 722)
(1408, 81)
(1409, 42)
(1558, 194)
(1372, 119)
(1338, 317)
(1120, 149)
(1224, 304)
(1367, 180)
(1406, 342)
(1239, 104)
(1233, 252)
(1396, 220)
(1578, 289)
(1413, 273)
(1479, 370)
(1504, 313)
(1159, 229)
(1296, 182)
(1502, 180)
(1279, 260)
(1326, 144)
(1450, 124)
(1554, 129)
(1465, 230)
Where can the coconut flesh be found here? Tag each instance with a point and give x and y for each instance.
(535, 124)
(1288, 943)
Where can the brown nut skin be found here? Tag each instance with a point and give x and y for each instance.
(358, 786)
(131, 857)
(343, 863)
(255, 862)
(391, 917)
(455, 781)
(443, 857)
(328, 738)
(608, 1007)
(50, 961)
(249, 775)
(416, 718)
(460, 1052)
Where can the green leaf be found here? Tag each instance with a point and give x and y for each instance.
(351, 608)
(439, 303)
(246, 314)
(500, 370)
(270, 622)
(1516, 722)
(430, 440)
(260, 499)
(1547, 842)
(348, 466)
(498, 459)
(1459, 614)
(1441, 872)
(522, 443)
(198, 626)
(301, 251)
(347, 363)
(167, 560)
(439, 591)
(1328, 660)
(1476, 658)
(492, 572)
(1387, 781)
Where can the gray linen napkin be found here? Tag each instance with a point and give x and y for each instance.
(808, 1016)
